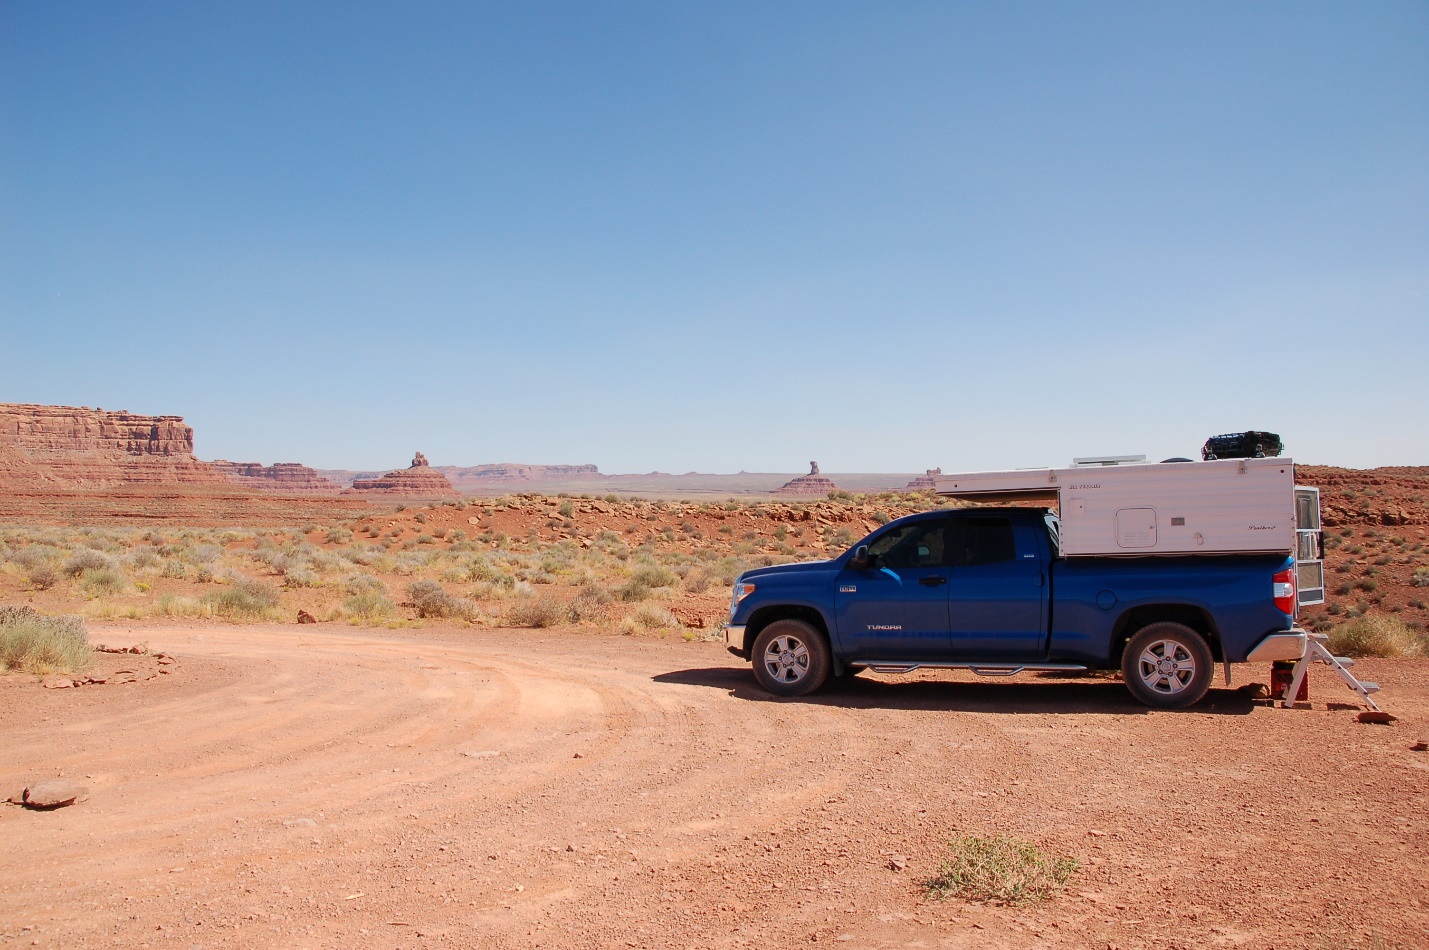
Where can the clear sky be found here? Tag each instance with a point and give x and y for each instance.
(722, 236)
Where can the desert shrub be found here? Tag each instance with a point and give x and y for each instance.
(655, 617)
(244, 599)
(204, 575)
(544, 610)
(206, 553)
(432, 600)
(999, 869)
(421, 517)
(87, 559)
(301, 577)
(368, 605)
(1421, 577)
(172, 605)
(697, 581)
(43, 576)
(633, 590)
(1377, 635)
(363, 584)
(590, 605)
(103, 582)
(175, 569)
(339, 536)
(142, 559)
(35, 643)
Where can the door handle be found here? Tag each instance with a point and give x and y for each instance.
(932, 581)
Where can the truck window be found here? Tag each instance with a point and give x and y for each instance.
(920, 544)
(988, 541)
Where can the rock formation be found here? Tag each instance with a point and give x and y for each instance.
(925, 482)
(419, 480)
(43, 447)
(287, 477)
(810, 484)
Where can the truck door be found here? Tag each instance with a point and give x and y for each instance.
(997, 591)
(897, 609)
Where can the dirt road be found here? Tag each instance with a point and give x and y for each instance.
(335, 787)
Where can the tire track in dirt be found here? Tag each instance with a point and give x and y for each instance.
(313, 789)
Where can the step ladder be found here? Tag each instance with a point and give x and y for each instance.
(1317, 652)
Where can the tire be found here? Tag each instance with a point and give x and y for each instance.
(791, 658)
(1167, 665)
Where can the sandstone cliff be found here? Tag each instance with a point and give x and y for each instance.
(287, 477)
(69, 447)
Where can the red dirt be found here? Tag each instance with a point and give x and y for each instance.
(333, 787)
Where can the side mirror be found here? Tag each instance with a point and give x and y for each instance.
(859, 561)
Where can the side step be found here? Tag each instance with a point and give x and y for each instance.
(981, 669)
(1317, 652)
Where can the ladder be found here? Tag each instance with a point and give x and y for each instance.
(1317, 652)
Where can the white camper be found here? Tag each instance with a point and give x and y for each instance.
(1230, 506)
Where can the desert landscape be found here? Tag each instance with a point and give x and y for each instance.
(388, 711)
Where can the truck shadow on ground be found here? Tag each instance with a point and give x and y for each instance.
(1039, 696)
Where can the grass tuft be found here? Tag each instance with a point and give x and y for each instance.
(1377, 635)
(1000, 870)
(38, 644)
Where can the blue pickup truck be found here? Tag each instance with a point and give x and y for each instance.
(985, 589)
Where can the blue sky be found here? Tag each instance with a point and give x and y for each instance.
(723, 236)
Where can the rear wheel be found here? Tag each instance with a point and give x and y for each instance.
(791, 658)
(1167, 665)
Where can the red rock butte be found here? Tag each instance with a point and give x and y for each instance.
(810, 484)
(287, 477)
(925, 482)
(79, 447)
(419, 480)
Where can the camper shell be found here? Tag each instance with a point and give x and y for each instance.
(1220, 507)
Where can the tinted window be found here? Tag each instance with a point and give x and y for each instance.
(919, 544)
(988, 541)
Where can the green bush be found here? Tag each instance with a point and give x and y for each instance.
(1000, 870)
(38, 644)
(103, 582)
(339, 536)
(244, 599)
(368, 605)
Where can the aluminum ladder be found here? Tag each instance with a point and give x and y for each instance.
(1317, 652)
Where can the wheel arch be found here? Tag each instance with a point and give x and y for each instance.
(1191, 615)
(764, 616)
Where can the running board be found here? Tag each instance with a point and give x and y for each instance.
(981, 669)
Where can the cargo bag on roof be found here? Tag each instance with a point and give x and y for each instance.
(1242, 445)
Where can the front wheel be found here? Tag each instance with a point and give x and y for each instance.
(791, 658)
(1167, 665)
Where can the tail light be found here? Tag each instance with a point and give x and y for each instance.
(1284, 586)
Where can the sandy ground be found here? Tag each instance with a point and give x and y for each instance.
(334, 787)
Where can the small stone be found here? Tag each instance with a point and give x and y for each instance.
(300, 823)
(578, 756)
(480, 753)
(897, 863)
(305, 617)
(166, 660)
(54, 793)
(1421, 746)
(57, 682)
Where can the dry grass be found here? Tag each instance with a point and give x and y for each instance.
(38, 644)
(1377, 635)
(1000, 870)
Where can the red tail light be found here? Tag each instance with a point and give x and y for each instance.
(1284, 586)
